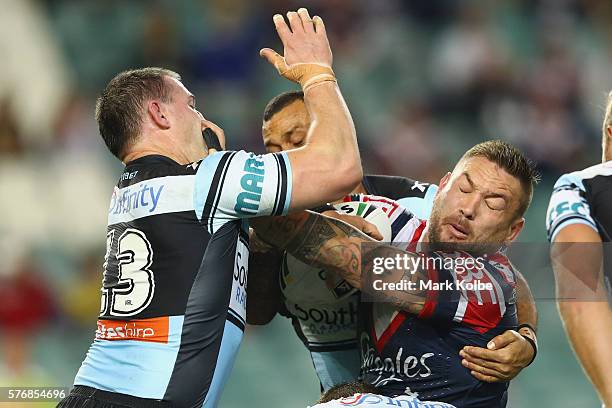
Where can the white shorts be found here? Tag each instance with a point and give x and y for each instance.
(380, 401)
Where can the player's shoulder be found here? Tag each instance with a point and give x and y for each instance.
(576, 179)
(152, 167)
(414, 195)
(396, 187)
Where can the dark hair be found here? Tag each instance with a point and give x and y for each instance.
(120, 107)
(280, 101)
(511, 160)
(346, 390)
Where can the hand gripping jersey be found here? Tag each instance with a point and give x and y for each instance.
(324, 318)
(584, 197)
(406, 354)
(173, 300)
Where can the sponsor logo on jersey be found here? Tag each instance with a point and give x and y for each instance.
(141, 196)
(150, 330)
(251, 182)
(385, 369)
(341, 316)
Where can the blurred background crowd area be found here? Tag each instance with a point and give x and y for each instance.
(424, 80)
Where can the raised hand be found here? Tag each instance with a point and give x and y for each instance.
(307, 57)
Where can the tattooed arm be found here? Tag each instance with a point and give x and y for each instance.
(335, 245)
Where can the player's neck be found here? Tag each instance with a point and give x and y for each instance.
(180, 156)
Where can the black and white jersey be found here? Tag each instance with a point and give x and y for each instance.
(173, 304)
(584, 197)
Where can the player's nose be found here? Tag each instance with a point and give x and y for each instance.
(469, 206)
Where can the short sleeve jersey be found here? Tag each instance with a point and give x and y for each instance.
(584, 197)
(173, 298)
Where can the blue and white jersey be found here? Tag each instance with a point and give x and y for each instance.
(584, 197)
(324, 316)
(173, 304)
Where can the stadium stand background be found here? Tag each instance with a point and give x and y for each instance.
(424, 80)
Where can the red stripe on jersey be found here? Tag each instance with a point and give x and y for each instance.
(482, 318)
(432, 296)
(485, 308)
(389, 331)
(418, 232)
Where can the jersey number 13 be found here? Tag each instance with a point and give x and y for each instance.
(128, 282)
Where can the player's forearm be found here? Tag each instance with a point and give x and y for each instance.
(316, 240)
(263, 289)
(589, 327)
(335, 245)
(527, 312)
(332, 134)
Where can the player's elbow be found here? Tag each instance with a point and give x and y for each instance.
(345, 177)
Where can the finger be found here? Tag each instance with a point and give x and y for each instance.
(489, 363)
(306, 20)
(501, 341)
(372, 231)
(482, 370)
(485, 378)
(479, 352)
(319, 25)
(295, 22)
(274, 58)
(281, 28)
(215, 128)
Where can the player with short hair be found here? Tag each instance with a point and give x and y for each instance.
(579, 226)
(332, 338)
(173, 302)
(412, 348)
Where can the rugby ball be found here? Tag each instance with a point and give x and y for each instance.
(305, 284)
(370, 213)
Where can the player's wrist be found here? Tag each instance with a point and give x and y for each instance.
(309, 75)
(529, 334)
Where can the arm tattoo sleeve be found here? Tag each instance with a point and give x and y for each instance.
(334, 245)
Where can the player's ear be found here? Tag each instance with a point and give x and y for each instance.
(444, 180)
(158, 114)
(514, 230)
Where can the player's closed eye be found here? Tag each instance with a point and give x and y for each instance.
(496, 204)
(465, 189)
